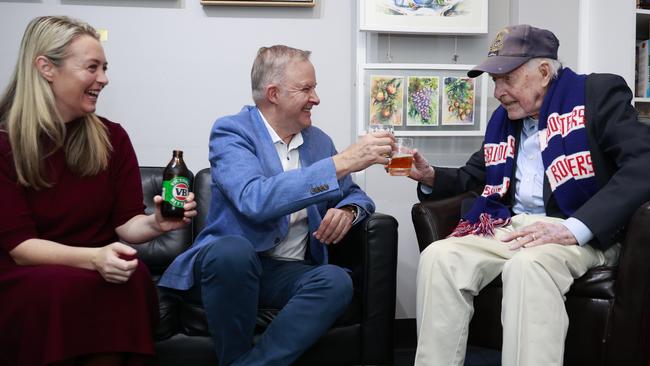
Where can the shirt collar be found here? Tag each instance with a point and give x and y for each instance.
(530, 126)
(296, 141)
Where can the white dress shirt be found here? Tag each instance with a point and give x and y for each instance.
(294, 245)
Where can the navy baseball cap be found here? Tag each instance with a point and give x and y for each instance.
(515, 45)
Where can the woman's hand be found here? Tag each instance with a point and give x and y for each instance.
(166, 224)
(142, 228)
(115, 262)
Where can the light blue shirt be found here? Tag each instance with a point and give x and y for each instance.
(529, 182)
(529, 175)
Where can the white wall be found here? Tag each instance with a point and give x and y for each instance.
(595, 35)
(175, 66)
(607, 38)
(558, 16)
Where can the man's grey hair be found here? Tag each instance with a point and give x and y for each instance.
(269, 67)
(554, 64)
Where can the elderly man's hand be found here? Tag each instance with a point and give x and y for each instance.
(540, 233)
(421, 170)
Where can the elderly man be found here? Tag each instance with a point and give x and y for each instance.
(280, 194)
(561, 170)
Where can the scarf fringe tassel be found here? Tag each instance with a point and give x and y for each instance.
(483, 227)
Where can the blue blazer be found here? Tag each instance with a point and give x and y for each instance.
(252, 196)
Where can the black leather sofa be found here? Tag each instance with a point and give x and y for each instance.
(362, 336)
(608, 307)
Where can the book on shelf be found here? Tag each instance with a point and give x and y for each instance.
(642, 74)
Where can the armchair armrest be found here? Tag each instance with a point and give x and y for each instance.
(370, 250)
(629, 331)
(434, 220)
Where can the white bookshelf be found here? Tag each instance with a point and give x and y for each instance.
(642, 26)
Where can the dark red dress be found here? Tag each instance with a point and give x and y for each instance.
(52, 312)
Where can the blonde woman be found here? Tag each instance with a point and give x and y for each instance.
(71, 293)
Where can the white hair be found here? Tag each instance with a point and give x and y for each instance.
(270, 65)
(554, 64)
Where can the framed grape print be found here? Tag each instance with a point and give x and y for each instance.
(422, 99)
(424, 16)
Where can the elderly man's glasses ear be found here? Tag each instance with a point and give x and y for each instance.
(545, 69)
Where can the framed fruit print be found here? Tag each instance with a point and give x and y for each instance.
(422, 99)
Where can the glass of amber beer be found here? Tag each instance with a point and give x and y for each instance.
(376, 127)
(402, 157)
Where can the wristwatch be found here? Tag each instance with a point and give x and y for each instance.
(353, 210)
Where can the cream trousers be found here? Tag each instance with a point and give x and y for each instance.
(452, 271)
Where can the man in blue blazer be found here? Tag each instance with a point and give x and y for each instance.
(280, 194)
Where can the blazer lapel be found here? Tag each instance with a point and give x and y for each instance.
(306, 158)
(268, 153)
(547, 191)
(317, 249)
(513, 181)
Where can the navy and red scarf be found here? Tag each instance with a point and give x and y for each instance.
(565, 153)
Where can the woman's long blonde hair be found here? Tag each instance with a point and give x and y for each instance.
(28, 110)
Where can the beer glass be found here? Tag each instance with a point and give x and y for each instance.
(402, 157)
(372, 128)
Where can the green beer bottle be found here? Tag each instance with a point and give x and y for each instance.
(175, 186)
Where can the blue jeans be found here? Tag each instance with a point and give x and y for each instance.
(234, 280)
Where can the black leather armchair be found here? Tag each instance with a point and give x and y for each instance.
(363, 335)
(608, 307)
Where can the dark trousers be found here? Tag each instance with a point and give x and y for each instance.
(233, 281)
